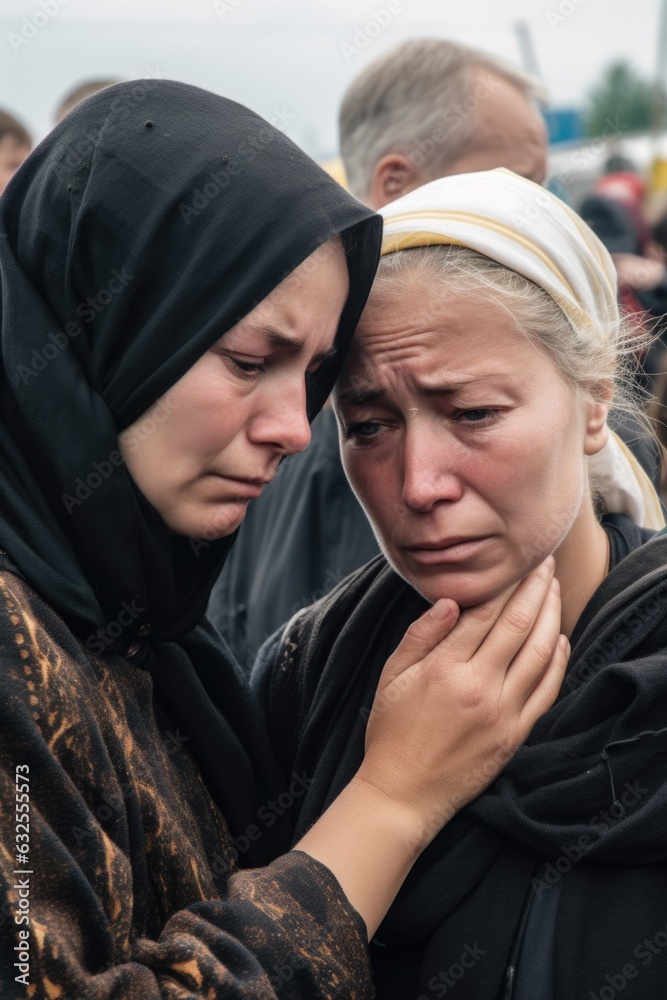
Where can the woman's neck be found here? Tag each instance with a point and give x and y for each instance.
(582, 562)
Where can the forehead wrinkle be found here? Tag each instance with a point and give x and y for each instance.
(362, 392)
(277, 337)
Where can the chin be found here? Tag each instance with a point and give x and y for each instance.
(467, 589)
(209, 526)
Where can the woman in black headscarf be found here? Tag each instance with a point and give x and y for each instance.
(173, 283)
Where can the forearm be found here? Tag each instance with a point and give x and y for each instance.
(370, 843)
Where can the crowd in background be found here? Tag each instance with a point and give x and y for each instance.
(307, 532)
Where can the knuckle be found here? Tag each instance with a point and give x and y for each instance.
(473, 697)
(518, 618)
(506, 748)
(482, 613)
(416, 630)
(542, 651)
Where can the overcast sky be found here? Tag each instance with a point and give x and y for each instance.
(296, 56)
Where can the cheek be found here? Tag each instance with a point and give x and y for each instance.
(374, 480)
(206, 414)
(539, 486)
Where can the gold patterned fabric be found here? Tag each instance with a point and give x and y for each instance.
(131, 883)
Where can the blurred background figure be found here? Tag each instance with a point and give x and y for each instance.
(79, 93)
(615, 212)
(427, 109)
(15, 144)
(432, 108)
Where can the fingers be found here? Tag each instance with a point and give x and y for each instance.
(421, 638)
(548, 688)
(516, 621)
(531, 662)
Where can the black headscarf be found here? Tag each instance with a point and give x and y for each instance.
(151, 220)
(589, 786)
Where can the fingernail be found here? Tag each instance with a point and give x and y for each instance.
(564, 643)
(555, 585)
(550, 563)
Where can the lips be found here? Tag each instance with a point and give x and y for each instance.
(450, 550)
(246, 489)
(249, 482)
(445, 544)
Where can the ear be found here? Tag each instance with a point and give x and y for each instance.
(597, 410)
(394, 175)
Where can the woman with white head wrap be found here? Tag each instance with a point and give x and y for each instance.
(473, 413)
(528, 230)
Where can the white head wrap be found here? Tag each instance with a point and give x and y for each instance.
(530, 231)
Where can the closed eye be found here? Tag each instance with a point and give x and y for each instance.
(245, 369)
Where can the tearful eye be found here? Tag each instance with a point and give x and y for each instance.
(480, 416)
(244, 369)
(365, 430)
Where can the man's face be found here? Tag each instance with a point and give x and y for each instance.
(507, 130)
(503, 129)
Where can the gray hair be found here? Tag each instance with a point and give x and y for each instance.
(414, 101)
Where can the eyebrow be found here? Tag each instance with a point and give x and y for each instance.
(361, 397)
(292, 345)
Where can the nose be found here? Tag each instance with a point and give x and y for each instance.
(282, 421)
(431, 462)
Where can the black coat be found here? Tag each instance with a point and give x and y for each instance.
(583, 802)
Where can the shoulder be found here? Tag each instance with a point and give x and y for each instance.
(315, 628)
(284, 651)
(54, 690)
(291, 662)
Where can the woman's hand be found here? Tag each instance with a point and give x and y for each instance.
(454, 702)
(458, 698)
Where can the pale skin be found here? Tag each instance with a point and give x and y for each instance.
(458, 696)
(467, 448)
(505, 130)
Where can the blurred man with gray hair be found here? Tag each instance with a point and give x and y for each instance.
(427, 109)
(431, 108)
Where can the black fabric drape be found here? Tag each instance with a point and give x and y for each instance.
(151, 220)
(600, 753)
